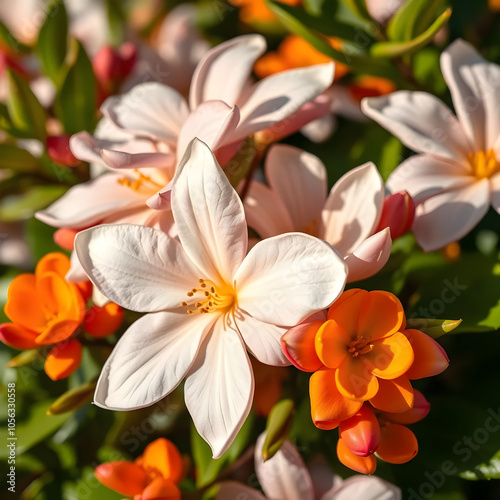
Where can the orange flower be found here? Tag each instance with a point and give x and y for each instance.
(256, 10)
(153, 476)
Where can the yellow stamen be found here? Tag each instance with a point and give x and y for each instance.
(484, 163)
(142, 180)
(216, 298)
(359, 346)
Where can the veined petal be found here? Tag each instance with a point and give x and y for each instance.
(139, 268)
(299, 178)
(449, 216)
(366, 488)
(150, 109)
(219, 387)
(90, 202)
(370, 256)
(286, 278)
(353, 208)
(420, 121)
(224, 71)
(394, 396)
(229, 490)
(285, 474)
(262, 339)
(151, 359)
(278, 96)
(209, 214)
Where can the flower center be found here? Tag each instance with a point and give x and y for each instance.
(359, 346)
(210, 297)
(484, 163)
(142, 181)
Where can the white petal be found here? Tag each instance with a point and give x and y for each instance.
(209, 214)
(119, 159)
(424, 176)
(495, 191)
(370, 256)
(139, 268)
(284, 475)
(212, 122)
(320, 129)
(231, 490)
(300, 180)
(449, 216)
(224, 71)
(286, 278)
(278, 96)
(365, 488)
(149, 109)
(353, 208)
(262, 339)
(219, 387)
(420, 121)
(76, 273)
(475, 88)
(151, 359)
(90, 202)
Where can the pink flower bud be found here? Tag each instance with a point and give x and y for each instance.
(398, 213)
(58, 150)
(361, 432)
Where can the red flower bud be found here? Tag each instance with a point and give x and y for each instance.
(398, 213)
(361, 432)
(58, 150)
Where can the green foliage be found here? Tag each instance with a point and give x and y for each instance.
(278, 427)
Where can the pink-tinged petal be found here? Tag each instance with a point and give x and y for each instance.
(219, 387)
(212, 122)
(90, 202)
(120, 159)
(324, 480)
(139, 268)
(276, 98)
(151, 359)
(353, 208)
(300, 180)
(285, 474)
(320, 129)
(162, 200)
(208, 214)
(475, 89)
(495, 191)
(265, 212)
(424, 176)
(420, 121)
(150, 109)
(224, 71)
(370, 256)
(262, 339)
(17, 336)
(286, 278)
(231, 490)
(364, 487)
(76, 273)
(449, 216)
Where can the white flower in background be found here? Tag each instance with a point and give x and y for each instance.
(208, 300)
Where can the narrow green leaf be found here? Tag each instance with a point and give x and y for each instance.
(22, 359)
(76, 100)
(398, 49)
(53, 41)
(314, 7)
(73, 399)
(435, 328)
(358, 7)
(25, 112)
(17, 159)
(279, 423)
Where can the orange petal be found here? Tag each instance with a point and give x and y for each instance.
(298, 346)
(395, 396)
(55, 262)
(390, 357)
(381, 315)
(398, 444)
(23, 303)
(346, 309)
(123, 477)
(161, 489)
(162, 456)
(361, 432)
(63, 359)
(65, 238)
(328, 406)
(331, 343)
(102, 321)
(430, 357)
(55, 293)
(354, 379)
(363, 465)
(420, 409)
(58, 331)
(17, 336)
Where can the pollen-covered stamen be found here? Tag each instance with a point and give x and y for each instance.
(142, 180)
(211, 298)
(484, 163)
(359, 346)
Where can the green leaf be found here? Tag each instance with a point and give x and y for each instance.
(73, 399)
(25, 112)
(53, 41)
(314, 7)
(18, 159)
(76, 100)
(398, 49)
(490, 470)
(279, 423)
(435, 328)
(23, 206)
(358, 7)
(402, 25)
(24, 358)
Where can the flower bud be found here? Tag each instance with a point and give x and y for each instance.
(58, 150)
(398, 212)
(361, 433)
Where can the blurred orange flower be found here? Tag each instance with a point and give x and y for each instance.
(257, 11)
